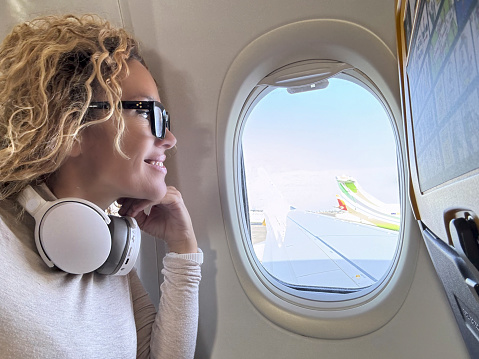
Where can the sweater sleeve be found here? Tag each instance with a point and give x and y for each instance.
(170, 333)
(144, 312)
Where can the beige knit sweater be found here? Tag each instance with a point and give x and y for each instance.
(47, 313)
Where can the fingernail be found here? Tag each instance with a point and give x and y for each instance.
(147, 210)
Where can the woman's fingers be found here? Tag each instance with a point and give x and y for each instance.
(132, 206)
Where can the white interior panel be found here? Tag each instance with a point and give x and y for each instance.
(14, 11)
(191, 66)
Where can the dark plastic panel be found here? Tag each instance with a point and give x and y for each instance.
(460, 281)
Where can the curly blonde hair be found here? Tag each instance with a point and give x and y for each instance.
(50, 70)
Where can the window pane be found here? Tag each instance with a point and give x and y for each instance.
(321, 179)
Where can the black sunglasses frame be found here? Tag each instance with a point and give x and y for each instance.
(158, 116)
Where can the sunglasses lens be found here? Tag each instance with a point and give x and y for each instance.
(158, 123)
(167, 120)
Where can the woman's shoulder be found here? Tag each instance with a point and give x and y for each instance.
(15, 224)
(10, 213)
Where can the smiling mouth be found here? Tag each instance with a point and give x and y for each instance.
(155, 163)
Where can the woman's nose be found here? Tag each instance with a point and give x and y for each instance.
(169, 141)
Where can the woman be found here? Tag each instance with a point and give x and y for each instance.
(70, 128)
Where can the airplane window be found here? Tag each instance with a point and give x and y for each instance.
(321, 186)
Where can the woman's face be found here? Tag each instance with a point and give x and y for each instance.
(109, 175)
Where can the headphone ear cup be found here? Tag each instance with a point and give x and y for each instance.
(125, 243)
(74, 236)
(119, 245)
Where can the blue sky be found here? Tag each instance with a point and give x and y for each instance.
(302, 141)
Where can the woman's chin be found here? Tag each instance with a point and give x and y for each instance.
(157, 195)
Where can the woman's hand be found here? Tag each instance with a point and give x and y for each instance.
(168, 220)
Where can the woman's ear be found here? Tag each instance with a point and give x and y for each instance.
(76, 147)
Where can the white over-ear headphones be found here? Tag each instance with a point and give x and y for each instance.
(78, 237)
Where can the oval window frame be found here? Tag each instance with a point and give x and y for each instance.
(344, 317)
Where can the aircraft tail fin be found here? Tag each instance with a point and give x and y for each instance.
(342, 205)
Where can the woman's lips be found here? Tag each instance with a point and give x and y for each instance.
(157, 164)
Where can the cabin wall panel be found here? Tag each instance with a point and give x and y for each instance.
(190, 46)
(13, 12)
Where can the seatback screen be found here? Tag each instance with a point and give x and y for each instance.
(443, 79)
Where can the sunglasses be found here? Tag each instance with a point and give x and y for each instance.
(157, 115)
